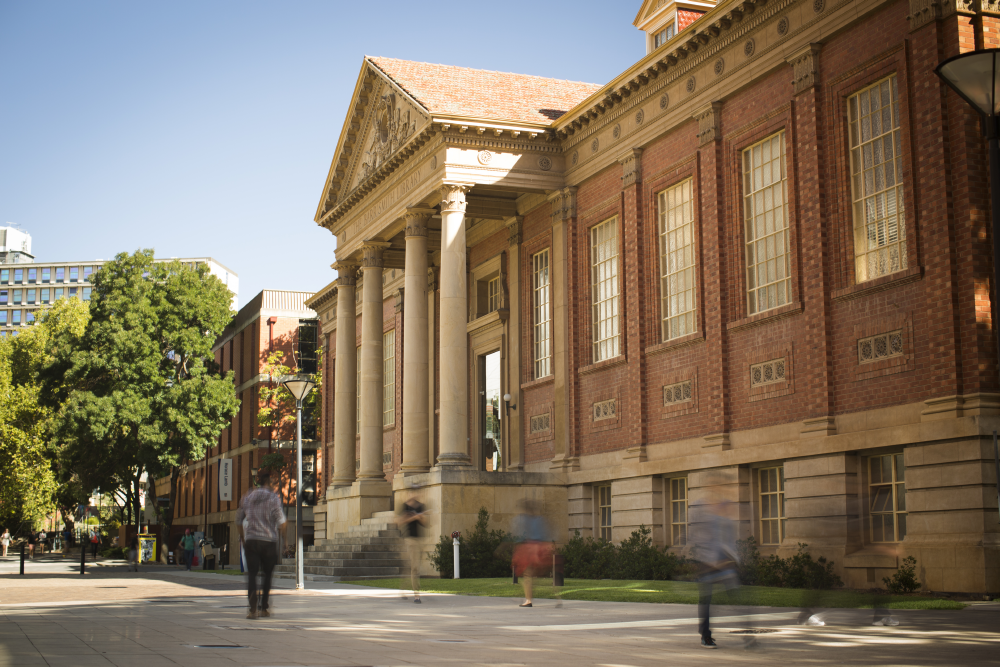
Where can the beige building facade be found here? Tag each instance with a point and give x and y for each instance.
(734, 271)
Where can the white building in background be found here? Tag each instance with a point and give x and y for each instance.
(27, 286)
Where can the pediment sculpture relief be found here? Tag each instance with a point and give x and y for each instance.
(392, 126)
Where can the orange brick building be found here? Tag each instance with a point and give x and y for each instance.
(756, 264)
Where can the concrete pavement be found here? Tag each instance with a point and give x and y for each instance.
(112, 617)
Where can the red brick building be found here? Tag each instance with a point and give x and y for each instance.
(756, 264)
(273, 321)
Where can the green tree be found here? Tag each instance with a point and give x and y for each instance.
(139, 390)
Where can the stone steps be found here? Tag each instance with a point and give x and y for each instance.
(370, 550)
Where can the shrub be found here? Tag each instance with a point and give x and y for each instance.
(798, 571)
(635, 558)
(905, 579)
(482, 553)
(114, 552)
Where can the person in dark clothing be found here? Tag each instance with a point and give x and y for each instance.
(411, 520)
(260, 520)
(32, 541)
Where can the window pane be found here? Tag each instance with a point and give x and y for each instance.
(604, 290)
(677, 260)
(765, 203)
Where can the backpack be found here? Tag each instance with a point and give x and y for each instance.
(94, 539)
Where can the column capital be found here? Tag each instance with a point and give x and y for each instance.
(373, 250)
(514, 229)
(631, 164)
(416, 220)
(346, 273)
(453, 196)
(805, 68)
(709, 118)
(563, 204)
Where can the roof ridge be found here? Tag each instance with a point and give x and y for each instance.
(476, 69)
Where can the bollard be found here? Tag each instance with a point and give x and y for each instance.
(83, 557)
(513, 572)
(454, 541)
(22, 557)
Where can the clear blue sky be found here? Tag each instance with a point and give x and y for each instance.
(207, 128)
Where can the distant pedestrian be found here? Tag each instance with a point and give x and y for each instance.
(261, 509)
(42, 540)
(533, 555)
(32, 541)
(133, 554)
(95, 542)
(5, 540)
(67, 536)
(187, 546)
(411, 521)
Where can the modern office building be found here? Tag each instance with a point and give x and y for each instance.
(754, 266)
(273, 321)
(27, 286)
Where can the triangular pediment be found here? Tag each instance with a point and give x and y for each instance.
(381, 119)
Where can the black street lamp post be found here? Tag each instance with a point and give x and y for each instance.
(299, 387)
(975, 76)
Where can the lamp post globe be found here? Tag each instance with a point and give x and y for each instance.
(299, 387)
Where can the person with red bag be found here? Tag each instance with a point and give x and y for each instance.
(533, 553)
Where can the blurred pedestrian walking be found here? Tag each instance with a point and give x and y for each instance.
(261, 509)
(133, 554)
(533, 554)
(187, 547)
(42, 540)
(32, 540)
(95, 542)
(5, 540)
(411, 522)
(67, 539)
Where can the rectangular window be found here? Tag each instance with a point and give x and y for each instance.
(86, 293)
(493, 295)
(15, 317)
(678, 511)
(73, 292)
(87, 270)
(45, 295)
(60, 274)
(357, 429)
(308, 342)
(29, 317)
(18, 276)
(17, 296)
(3, 317)
(31, 296)
(3, 296)
(661, 37)
(4, 275)
(389, 378)
(32, 275)
(765, 206)
(604, 263)
(677, 260)
(74, 273)
(887, 493)
(604, 511)
(46, 275)
(772, 505)
(877, 181)
(541, 297)
(58, 294)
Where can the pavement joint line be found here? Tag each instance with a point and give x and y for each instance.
(660, 623)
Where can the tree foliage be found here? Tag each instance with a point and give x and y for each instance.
(138, 391)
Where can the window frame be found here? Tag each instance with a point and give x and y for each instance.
(858, 202)
(678, 527)
(778, 495)
(605, 520)
(613, 342)
(389, 378)
(748, 198)
(541, 306)
(663, 234)
(896, 482)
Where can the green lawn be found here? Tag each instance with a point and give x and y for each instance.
(676, 592)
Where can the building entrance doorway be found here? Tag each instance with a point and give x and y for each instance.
(491, 449)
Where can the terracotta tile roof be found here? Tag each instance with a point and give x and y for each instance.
(462, 91)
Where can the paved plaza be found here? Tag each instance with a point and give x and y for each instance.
(163, 616)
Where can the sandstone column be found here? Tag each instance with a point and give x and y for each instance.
(513, 417)
(454, 418)
(563, 210)
(415, 343)
(371, 362)
(431, 360)
(345, 377)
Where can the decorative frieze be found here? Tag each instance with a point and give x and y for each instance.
(805, 68)
(709, 118)
(631, 167)
(923, 12)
